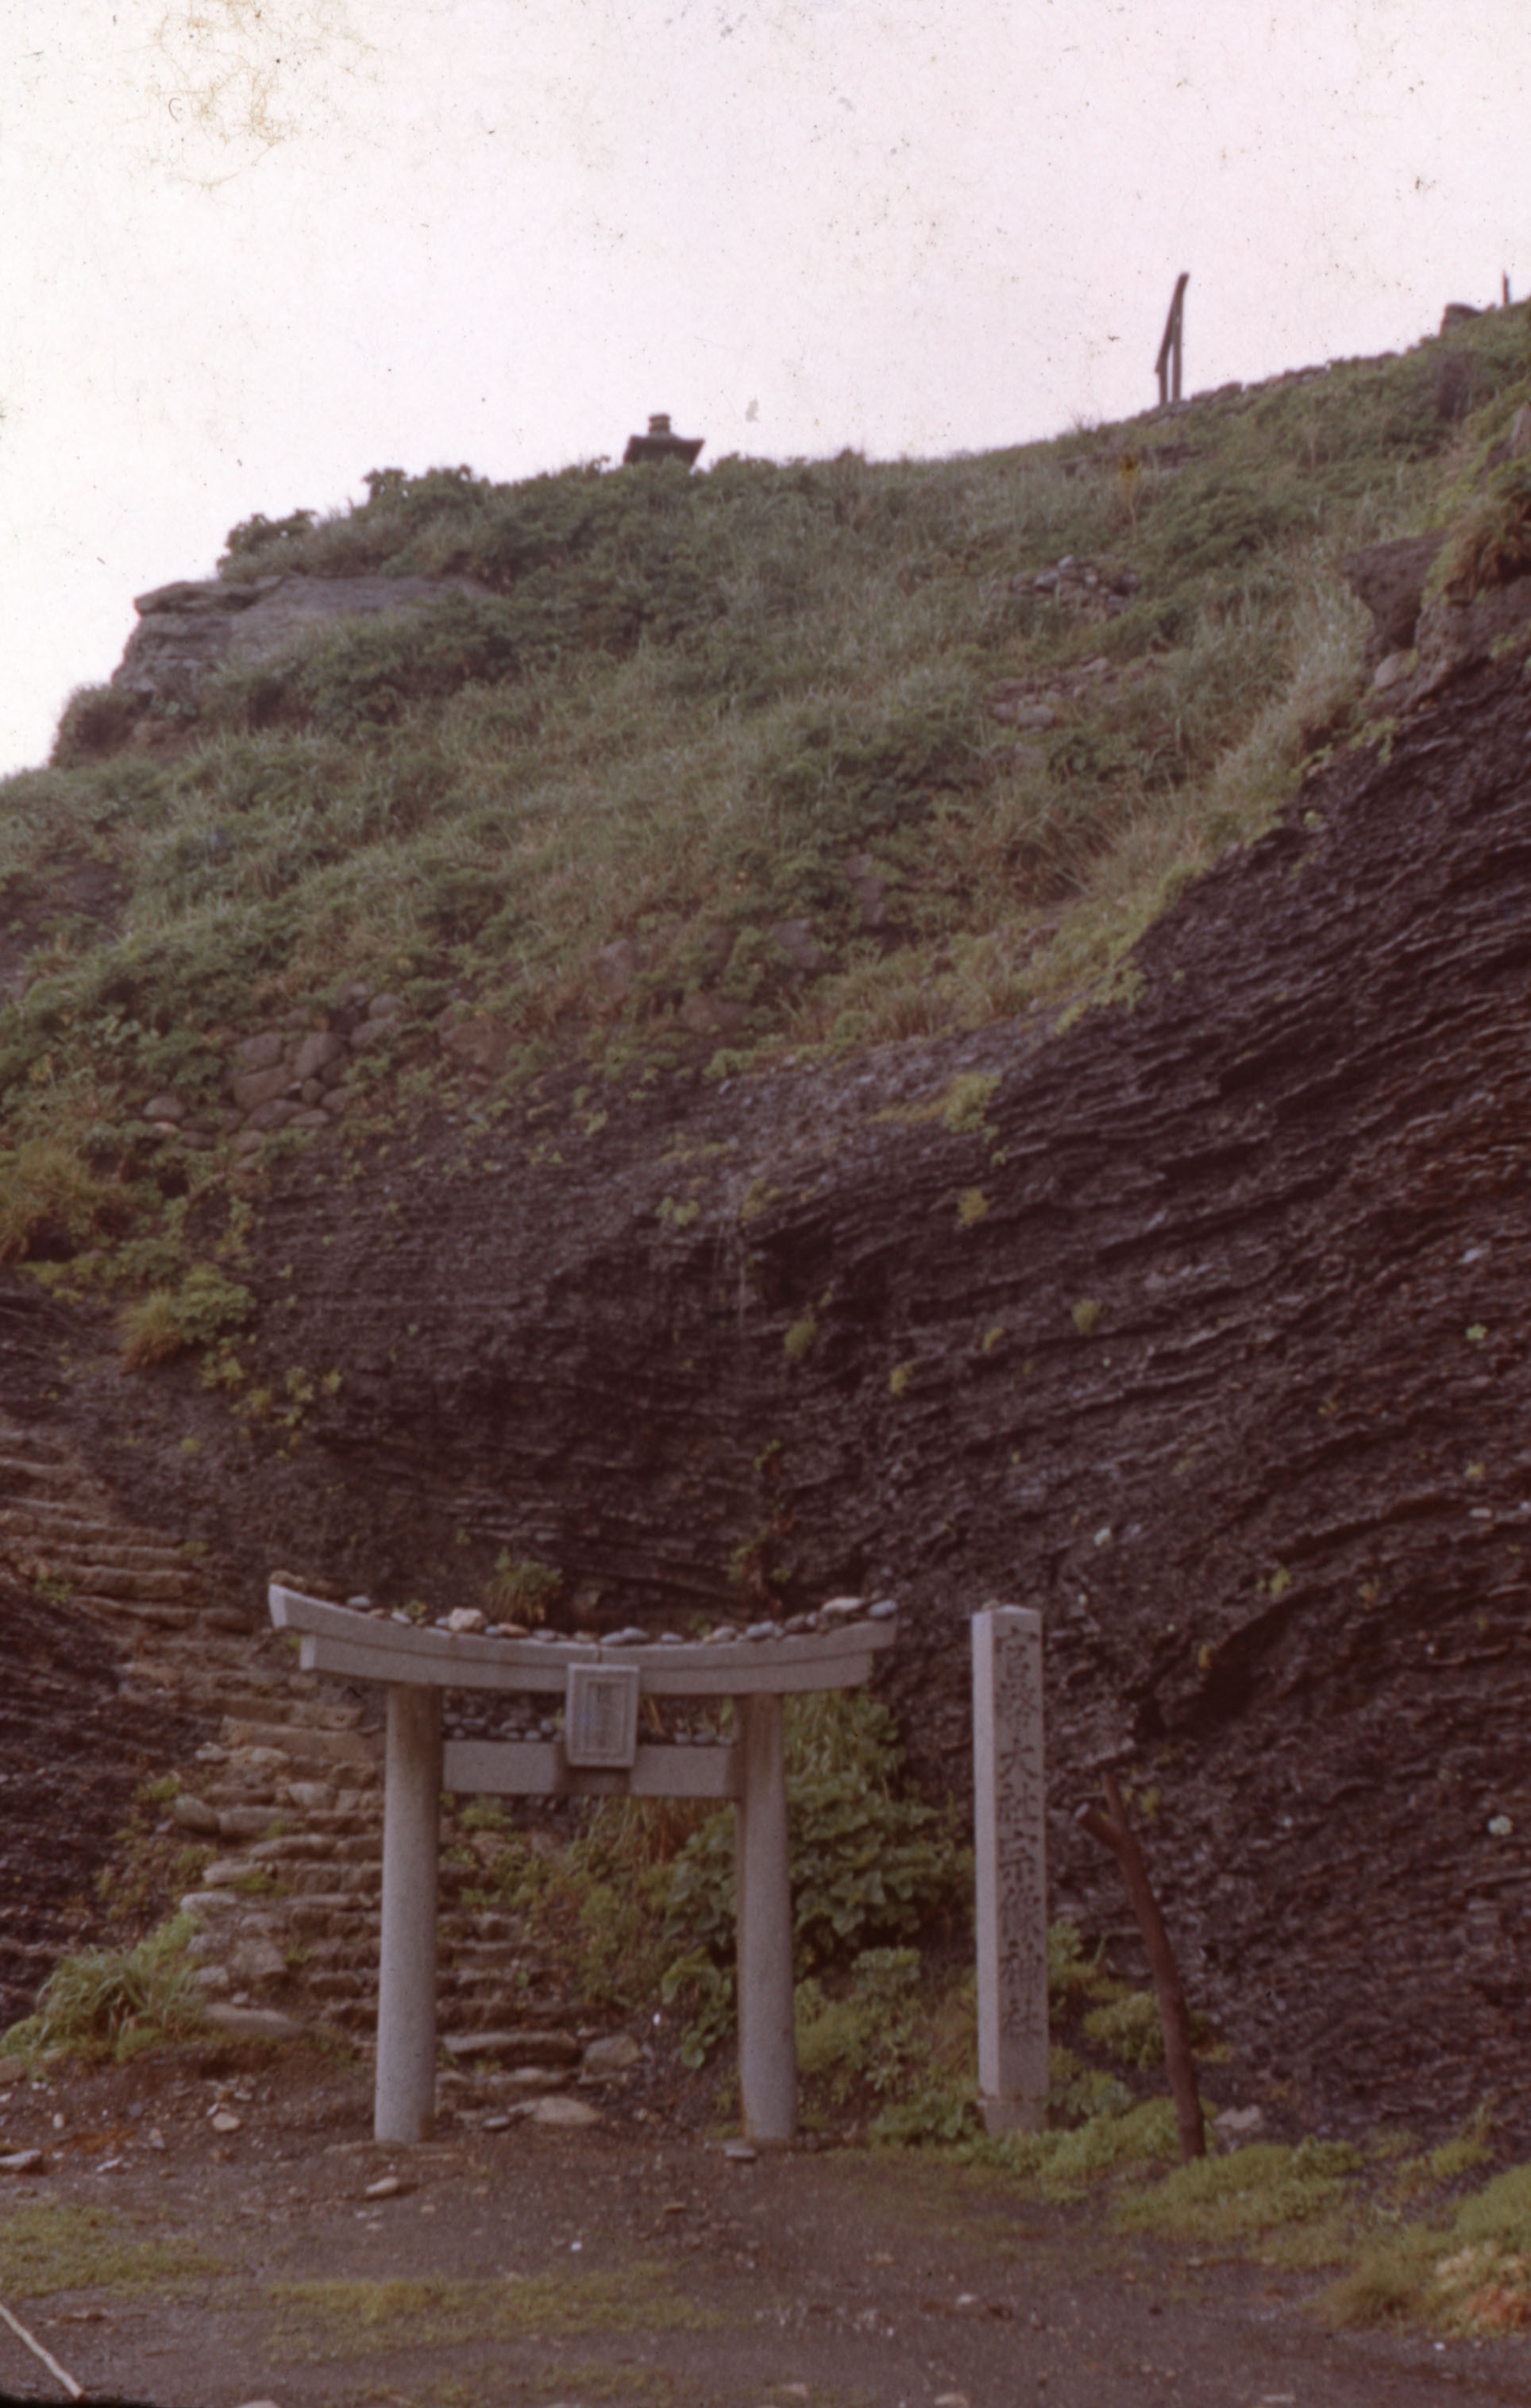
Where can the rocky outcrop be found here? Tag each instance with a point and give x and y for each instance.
(189, 629)
(1389, 578)
(77, 1729)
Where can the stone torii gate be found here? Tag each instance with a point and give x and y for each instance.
(599, 1755)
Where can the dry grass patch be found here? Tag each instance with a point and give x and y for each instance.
(348, 2319)
(46, 2248)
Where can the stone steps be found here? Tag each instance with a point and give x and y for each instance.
(124, 1615)
(93, 1562)
(33, 1471)
(294, 1739)
(290, 1751)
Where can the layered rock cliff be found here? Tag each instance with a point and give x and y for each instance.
(1198, 1323)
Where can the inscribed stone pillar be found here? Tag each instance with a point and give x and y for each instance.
(1010, 1802)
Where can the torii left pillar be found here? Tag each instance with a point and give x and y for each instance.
(405, 2098)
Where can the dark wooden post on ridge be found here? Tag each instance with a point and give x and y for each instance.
(1115, 1832)
(1166, 367)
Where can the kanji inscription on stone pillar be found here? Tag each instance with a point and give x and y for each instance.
(1009, 1811)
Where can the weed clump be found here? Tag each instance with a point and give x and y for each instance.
(51, 1200)
(798, 1343)
(1281, 2196)
(1490, 543)
(204, 1308)
(521, 1588)
(1471, 2275)
(113, 2001)
(966, 1102)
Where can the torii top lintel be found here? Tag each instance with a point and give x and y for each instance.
(345, 1639)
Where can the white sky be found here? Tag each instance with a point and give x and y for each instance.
(250, 249)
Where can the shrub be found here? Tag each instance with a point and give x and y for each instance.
(871, 1863)
(50, 1201)
(1490, 541)
(1129, 2027)
(150, 1329)
(97, 720)
(198, 1312)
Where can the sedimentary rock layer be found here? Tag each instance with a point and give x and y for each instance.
(1203, 1329)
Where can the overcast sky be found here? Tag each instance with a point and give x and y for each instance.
(251, 249)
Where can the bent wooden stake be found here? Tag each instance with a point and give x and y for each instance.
(38, 2351)
(1116, 1833)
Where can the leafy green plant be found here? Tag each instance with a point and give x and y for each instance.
(871, 1863)
(1129, 2027)
(882, 2030)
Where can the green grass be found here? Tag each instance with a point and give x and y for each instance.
(46, 2248)
(1288, 2201)
(1466, 2272)
(113, 2001)
(349, 2320)
(686, 712)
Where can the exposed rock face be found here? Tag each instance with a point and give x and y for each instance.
(1389, 578)
(71, 1747)
(193, 627)
(1203, 1329)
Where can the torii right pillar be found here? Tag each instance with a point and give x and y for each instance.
(1009, 1819)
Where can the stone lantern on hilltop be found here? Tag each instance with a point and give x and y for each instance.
(659, 444)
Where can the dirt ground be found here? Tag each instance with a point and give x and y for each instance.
(624, 2261)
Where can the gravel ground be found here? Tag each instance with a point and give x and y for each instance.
(609, 2263)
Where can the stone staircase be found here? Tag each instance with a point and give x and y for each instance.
(285, 1791)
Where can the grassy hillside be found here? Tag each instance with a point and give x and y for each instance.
(771, 757)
